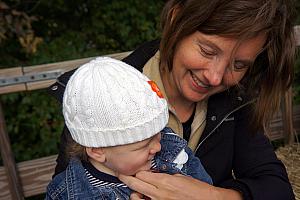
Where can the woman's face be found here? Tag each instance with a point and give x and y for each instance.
(201, 64)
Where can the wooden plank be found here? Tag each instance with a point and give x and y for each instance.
(9, 72)
(4, 188)
(35, 176)
(14, 183)
(276, 125)
(67, 65)
(39, 84)
(15, 71)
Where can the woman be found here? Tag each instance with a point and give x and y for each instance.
(223, 66)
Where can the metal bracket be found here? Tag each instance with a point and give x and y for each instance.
(30, 78)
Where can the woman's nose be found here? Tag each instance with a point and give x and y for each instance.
(214, 74)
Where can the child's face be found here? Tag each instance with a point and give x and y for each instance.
(131, 158)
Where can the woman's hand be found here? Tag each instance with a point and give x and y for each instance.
(159, 186)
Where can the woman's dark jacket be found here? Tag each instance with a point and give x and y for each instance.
(232, 155)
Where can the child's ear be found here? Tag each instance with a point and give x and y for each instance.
(96, 153)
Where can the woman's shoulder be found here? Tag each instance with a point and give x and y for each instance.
(139, 57)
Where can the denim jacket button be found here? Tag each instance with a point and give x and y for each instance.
(54, 88)
(164, 167)
(213, 118)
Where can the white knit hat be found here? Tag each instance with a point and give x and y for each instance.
(108, 103)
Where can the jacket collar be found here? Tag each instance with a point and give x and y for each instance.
(76, 181)
(221, 108)
(151, 70)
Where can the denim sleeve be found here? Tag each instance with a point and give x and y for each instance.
(195, 169)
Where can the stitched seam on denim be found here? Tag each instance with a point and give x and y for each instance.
(70, 180)
(58, 191)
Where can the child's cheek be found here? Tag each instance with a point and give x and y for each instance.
(141, 164)
(129, 168)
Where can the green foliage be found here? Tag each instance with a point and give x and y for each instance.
(86, 28)
(15, 23)
(33, 122)
(69, 46)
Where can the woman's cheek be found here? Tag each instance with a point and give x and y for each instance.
(233, 78)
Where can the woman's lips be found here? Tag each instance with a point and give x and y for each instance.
(198, 84)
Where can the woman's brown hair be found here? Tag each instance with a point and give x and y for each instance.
(272, 72)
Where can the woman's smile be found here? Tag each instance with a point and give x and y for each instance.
(198, 84)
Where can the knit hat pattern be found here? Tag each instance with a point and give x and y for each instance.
(108, 102)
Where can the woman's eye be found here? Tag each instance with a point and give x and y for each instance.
(207, 52)
(240, 66)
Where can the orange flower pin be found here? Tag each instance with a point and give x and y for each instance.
(155, 88)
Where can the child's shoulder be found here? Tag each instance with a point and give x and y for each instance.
(57, 186)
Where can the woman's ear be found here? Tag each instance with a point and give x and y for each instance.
(96, 153)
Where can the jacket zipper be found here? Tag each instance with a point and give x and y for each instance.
(224, 118)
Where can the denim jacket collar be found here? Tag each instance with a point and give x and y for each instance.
(78, 186)
(170, 145)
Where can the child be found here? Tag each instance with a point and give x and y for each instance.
(116, 117)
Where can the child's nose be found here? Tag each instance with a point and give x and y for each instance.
(156, 147)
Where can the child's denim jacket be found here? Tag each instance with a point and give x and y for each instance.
(171, 147)
(73, 184)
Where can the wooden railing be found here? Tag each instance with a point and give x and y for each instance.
(29, 178)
